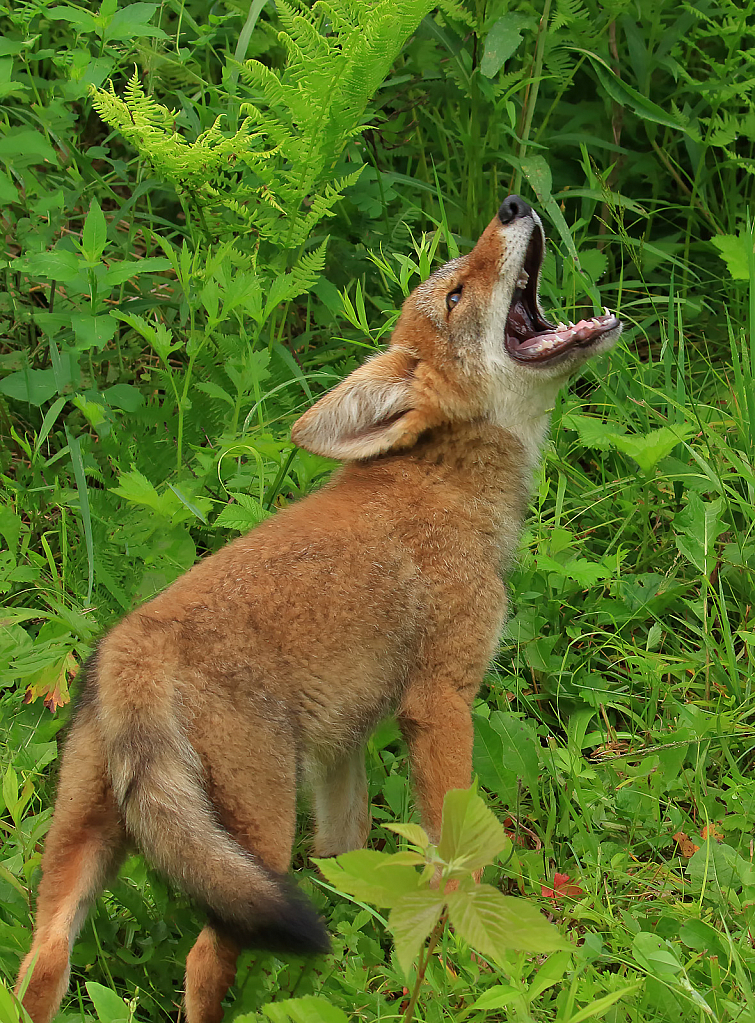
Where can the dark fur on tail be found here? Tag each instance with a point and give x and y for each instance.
(157, 780)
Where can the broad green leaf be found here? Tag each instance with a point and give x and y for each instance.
(26, 147)
(701, 525)
(470, 830)
(602, 1005)
(83, 20)
(92, 331)
(735, 250)
(125, 270)
(716, 867)
(33, 385)
(538, 173)
(411, 920)
(626, 96)
(501, 42)
(494, 923)
(94, 235)
(655, 955)
(57, 264)
(131, 22)
(368, 875)
(307, 1009)
(107, 1003)
(550, 973)
(489, 763)
(124, 396)
(519, 746)
(496, 997)
(702, 937)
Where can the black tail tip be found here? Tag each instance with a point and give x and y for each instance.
(292, 928)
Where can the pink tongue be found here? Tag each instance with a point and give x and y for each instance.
(579, 332)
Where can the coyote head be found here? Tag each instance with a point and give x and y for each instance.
(471, 343)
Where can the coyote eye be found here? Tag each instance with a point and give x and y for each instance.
(453, 298)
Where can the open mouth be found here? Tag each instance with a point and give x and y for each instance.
(529, 336)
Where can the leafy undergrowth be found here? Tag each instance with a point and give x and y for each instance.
(184, 277)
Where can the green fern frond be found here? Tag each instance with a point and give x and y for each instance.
(567, 12)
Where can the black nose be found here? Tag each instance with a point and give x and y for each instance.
(512, 208)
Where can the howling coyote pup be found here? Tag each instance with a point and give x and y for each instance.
(275, 658)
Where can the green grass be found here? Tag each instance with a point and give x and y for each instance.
(617, 717)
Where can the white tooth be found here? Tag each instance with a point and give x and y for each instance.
(523, 279)
(560, 326)
(571, 323)
(606, 311)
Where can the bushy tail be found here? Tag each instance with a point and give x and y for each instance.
(157, 781)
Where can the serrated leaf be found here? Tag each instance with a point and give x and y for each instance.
(470, 830)
(648, 449)
(411, 921)
(215, 391)
(735, 250)
(412, 833)
(244, 514)
(307, 1009)
(493, 923)
(593, 433)
(368, 875)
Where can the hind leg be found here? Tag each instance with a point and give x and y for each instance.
(210, 971)
(250, 769)
(83, 850)
(341, 804)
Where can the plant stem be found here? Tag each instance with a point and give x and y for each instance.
(424, 963)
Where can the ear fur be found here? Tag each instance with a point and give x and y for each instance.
(371, 411)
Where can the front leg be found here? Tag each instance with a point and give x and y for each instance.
(437, 725)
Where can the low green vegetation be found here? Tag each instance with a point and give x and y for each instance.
(211, 213)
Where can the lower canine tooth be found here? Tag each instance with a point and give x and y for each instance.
(523, 279)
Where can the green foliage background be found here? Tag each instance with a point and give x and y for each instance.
(211, 214)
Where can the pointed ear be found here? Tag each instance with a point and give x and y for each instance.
(372, 411)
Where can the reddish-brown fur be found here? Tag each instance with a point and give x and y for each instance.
(276, 657)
